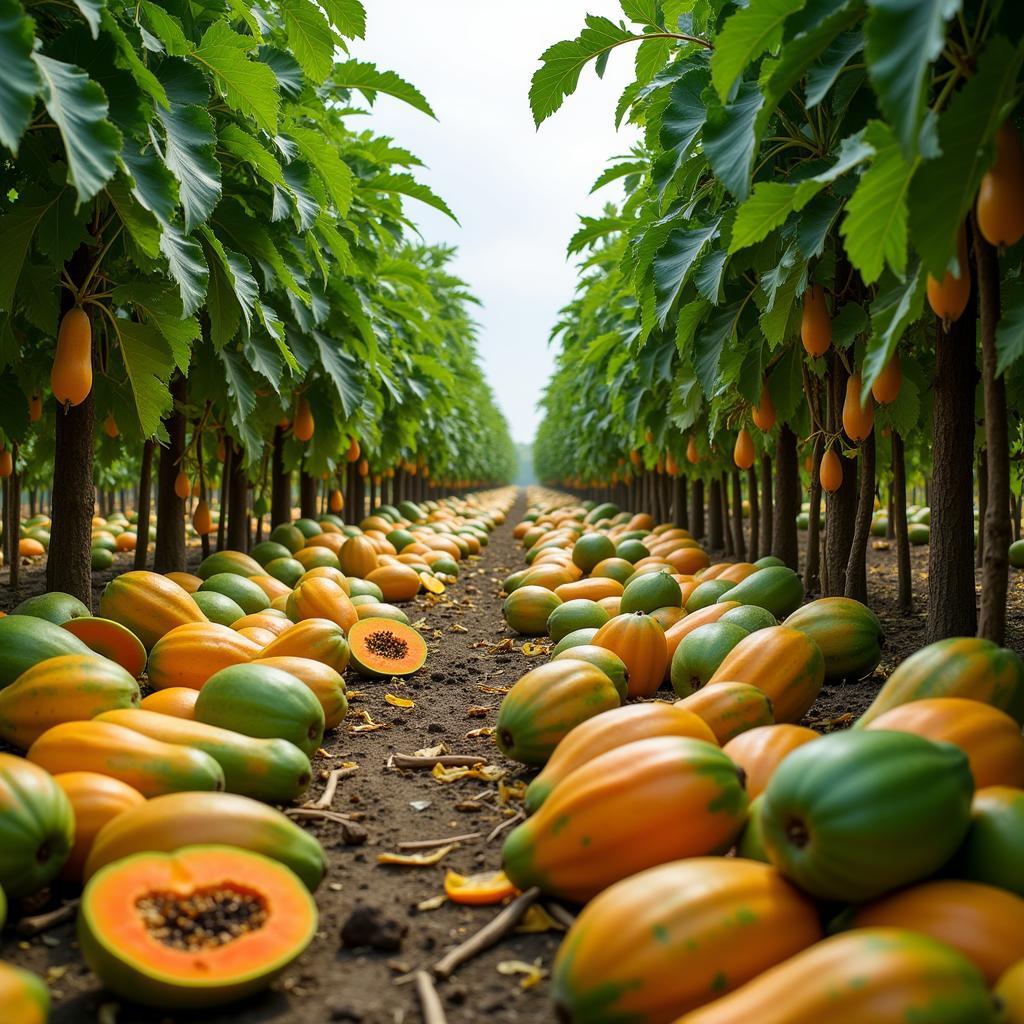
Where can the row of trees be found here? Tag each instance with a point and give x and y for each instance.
(194, 178)
(824, 208)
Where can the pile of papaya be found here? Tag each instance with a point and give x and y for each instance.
(731, 863)
(180, 714)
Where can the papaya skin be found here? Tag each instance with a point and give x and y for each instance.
(1000, 205)
(71, 375)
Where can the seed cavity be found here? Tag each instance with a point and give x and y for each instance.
(204, 919)
(385, 644)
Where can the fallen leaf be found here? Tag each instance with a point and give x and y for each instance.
(515, 791)
(437, 751)
(416, 860)
(399, 702)
(484, 688)
(420, 624)
(433, 903)
(479, 710)
(534, 973)
(537, 920)
(487, 730)
(456, 627)
(487, 772)
(532, 650)
(354, 694)
(369, 725)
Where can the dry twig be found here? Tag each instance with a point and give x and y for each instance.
(428, 844)
(445, 760)
(326, 798)
(430, 1001)
(44, 922)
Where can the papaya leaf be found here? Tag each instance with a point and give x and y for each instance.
(407, 185)
(822, 75)
(746, 35)
(342, 371)
(190, 145)
(13, 407)
(899, 304)
(347, 16)
(902, 39)
(1010, 331)
(63, 228)
(875, 225)
(943, 189)
(144, 78)
(79, 109)
(674, 261)
(187, 267)
(309, 38)
(335, 173)
(166, 27)
(616, 171)
(19, 83)
(681, 122)
(147, 358)
(249, 86)
(729, 139)
(559, 73)
(644, 12)
(17, 229)
(370, 81)
(92, 11)
(709, 343)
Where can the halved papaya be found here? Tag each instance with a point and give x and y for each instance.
(111, 639)
(202, 926)
(382, 648)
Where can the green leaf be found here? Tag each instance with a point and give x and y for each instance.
(63, 228)
(347, 16)
(786, 384)
(616, 171)
(674, 261)
(17, 229)
(335, 173)
(249, 86)
(187, 267)
(775, 317)
(644, 12)
(342, 371)
(13, 407)
(141, 225)
(286, 70)
(902, 40)
(407, 185)
(943, 189)
(144, 78)
(189, 153)
(79, 109)
(367, 79)
(19, 82)
(709, 344)
(559, 73)
(237, 272)
(768, 207)
(242, 392)
(898, 305)
(849, 321)
(822, 76)
(729, 140)
(651, 56)
(708, 276)
(817, 220)
(249, 151)
(147, 358)
(681, 122)
(750, 32)
(1010, 331)
(875, 225)
(309, 38)
(155, 187)
(92, 11)
(166, 28)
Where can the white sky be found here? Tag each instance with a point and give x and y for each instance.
(516, 191)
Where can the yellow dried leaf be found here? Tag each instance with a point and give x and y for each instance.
(515, 791)
(484, 688)
(479, 710)
(456, 627)
(487, 730)
(416, 860)
(433, 903)
(354, 695)
(537, 920)
(369, 725)
(534, 973)
(399, 702)
(532, 650)
(489, 773)
(437, 751)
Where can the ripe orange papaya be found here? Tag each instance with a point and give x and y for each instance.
(71, 375)
(949, 297)
(815, 324)
(858, 417)
(1000, 205)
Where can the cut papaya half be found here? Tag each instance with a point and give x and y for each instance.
(202, 926)
(382, 648)
(431, 584)
(478, 889)
(112, 640)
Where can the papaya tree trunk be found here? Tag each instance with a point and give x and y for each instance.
(723, 494)
(979, 547)
(225, 477)
(280, 483)
(755, 515)
(787, 499)
(697, 509)
(767, 506)
(307, 494)
(237, 511)
(739, 543)
(169, 555)
(13, 530)
(996, 565)
(856, 565)
(680, 513)
(952, 608)
(204, 540)
(145, 496)
(716, 540)
(905, 594)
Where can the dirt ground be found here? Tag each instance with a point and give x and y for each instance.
(456, 695)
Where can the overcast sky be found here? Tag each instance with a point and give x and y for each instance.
(516, 191)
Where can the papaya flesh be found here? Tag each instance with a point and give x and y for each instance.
(382, 648)
(199, 927)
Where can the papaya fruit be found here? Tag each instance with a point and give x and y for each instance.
(948, 298)
(830, 472)
(640, 642)
(249, 917)
(677, 936)
(148, 765)
(37, 827)
(318, 598)
(382, 648)
(743, 453)
(247, 595)
(149, 604)
(268, 769)
(68, 688)
(111, 640)
(71, 373)
(759, 751)
(546, 703)
(572, 615)
(24, 997)
(815, 324)
(729, 708)
(638, 805)
(188, 655)
(649, 592)
(319, 639)
(777, 589)
(262, 702)
(1000, 203)
(25, 641)
(700, 653)
(95, 800)
(848, 633)
(607, 661)
(527, 610)
(858, 416)
(229, 561)
(209, 818)
(994, 845)
(179, 701)
(55, 607)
